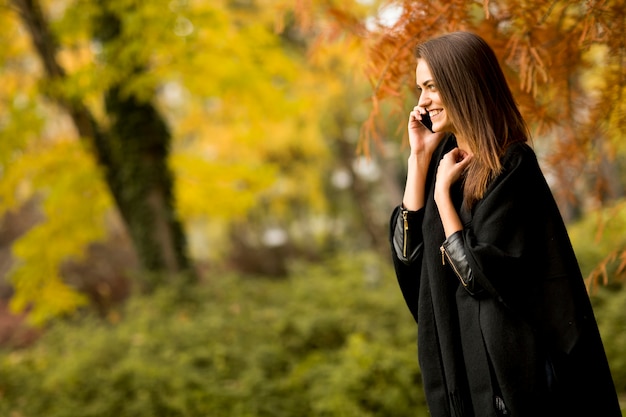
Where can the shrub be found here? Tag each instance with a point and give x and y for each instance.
(612, 322)
(330, 341)
(334, 340)
(597, 235)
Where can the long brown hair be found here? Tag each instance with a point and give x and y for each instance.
(478, 101)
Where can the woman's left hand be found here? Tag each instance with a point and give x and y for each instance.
(450, 169)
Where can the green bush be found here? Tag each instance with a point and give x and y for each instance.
(334, 340)
(597, 235)
(609, 309)
(594, 238)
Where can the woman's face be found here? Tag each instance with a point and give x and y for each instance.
(430, 100)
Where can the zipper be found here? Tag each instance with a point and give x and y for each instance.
(445, 255)
(405, 215)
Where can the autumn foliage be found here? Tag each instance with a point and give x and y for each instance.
(273, 147)
(255, 110)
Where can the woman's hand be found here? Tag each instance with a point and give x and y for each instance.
(449, 171)
(423, 142)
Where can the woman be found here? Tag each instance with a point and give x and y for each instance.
(482, 255)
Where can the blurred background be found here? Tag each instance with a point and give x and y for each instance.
(194, 195)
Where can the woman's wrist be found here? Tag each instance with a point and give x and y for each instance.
(415, 182)
(449, 217)
(418, 163)
(442, 196)
(420, 155)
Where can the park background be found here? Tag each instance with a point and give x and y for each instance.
(194, 195)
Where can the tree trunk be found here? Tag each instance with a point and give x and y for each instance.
(142, 183)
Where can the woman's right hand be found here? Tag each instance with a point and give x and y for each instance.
(423, 142)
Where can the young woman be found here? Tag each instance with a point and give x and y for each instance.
(482, 256)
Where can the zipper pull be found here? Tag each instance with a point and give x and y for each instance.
(405, 214)
(443, 252)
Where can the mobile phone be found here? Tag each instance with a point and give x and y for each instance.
(427, 122)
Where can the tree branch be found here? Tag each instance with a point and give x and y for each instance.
(46, 47)
(41, 36)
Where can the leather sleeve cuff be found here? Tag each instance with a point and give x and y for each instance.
(407, 239)
(453, 252)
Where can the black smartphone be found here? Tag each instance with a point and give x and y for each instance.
(427, 122)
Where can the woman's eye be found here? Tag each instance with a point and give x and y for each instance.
(431, 87)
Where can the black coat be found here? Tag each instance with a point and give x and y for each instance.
(528, 334)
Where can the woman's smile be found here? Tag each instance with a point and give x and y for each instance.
(434, 113)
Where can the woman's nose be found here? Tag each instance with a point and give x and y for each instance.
(424, 100)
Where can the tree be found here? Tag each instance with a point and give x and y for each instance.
(224, 100)
(132, 151)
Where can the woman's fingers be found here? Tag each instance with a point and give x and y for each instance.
(452, 165)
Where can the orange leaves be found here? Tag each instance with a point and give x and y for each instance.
(345, 20)
(543, 45)
(532, 67)
(611, 269)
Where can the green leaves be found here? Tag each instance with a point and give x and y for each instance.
(240, 347)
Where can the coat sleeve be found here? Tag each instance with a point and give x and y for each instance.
(407, 251)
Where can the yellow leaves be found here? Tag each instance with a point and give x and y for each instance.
(84, 80)
(250, 116)
(11, 39)
(218, 190)
(245, 107)
(594, 79)
(245, 151)
(616, 123)
(39, 289)
(602, 78)
(20, 116)
(74, 201)
(57, 299)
